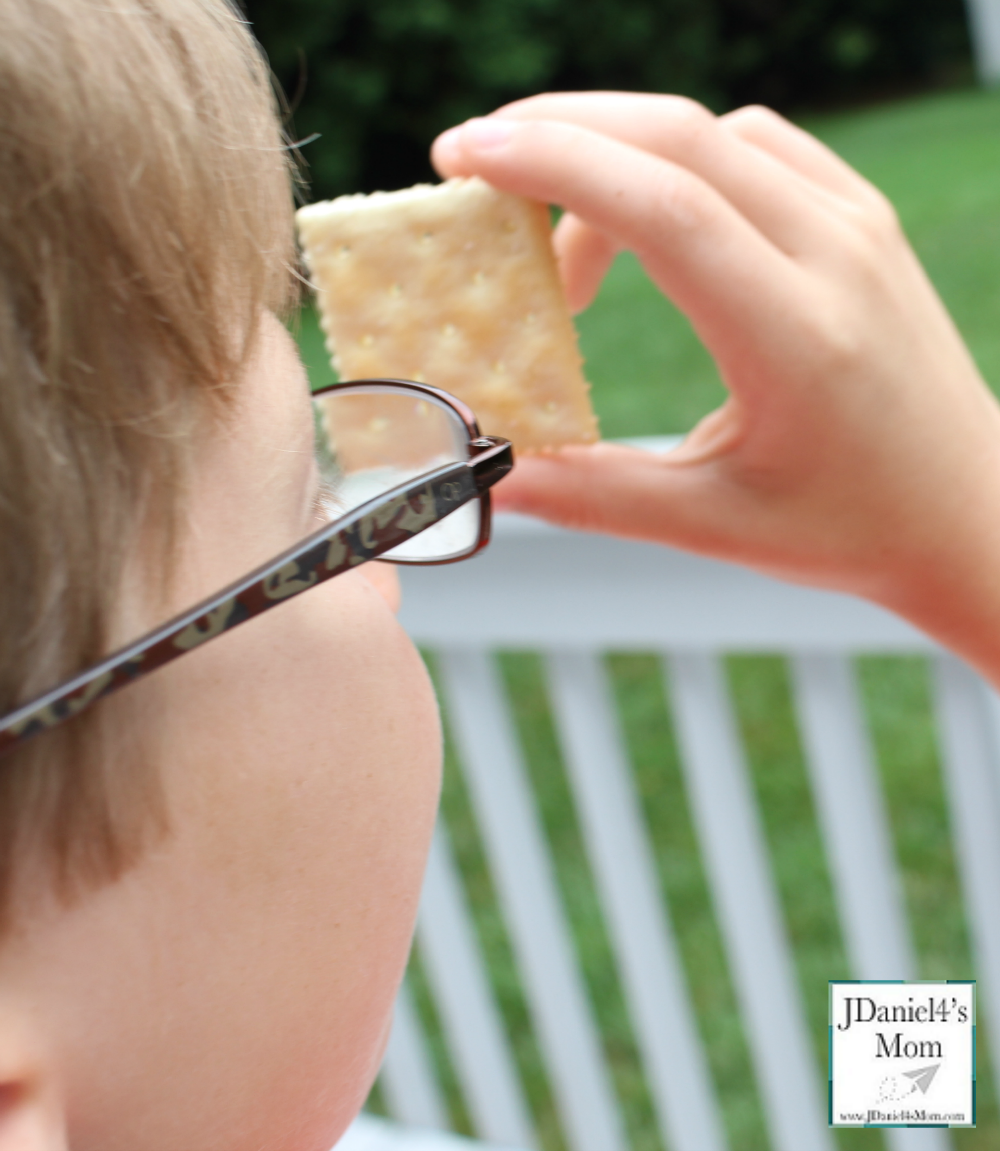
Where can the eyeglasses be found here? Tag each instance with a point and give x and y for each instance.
(405, 477)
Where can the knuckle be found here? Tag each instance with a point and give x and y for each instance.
(875, 219)
(880, 215)
(688, 123)
(753, 116)
(677, 195)
(685, 106)
(836, 342)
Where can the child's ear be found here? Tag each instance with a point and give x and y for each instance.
(31, 1113)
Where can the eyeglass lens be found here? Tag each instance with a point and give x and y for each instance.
(372, 439)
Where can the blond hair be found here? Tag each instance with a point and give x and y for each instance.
(145, 222)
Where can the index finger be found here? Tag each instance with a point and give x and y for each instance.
(697, 248)
(796, 213)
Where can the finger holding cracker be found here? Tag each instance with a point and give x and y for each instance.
(860, 447)
(454, 285)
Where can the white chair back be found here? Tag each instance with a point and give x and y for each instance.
(572, 597)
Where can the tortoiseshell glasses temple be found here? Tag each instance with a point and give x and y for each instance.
(365, 533)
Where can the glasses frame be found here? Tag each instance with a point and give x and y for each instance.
(363, 534)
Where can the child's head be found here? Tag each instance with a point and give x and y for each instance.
(207, 883)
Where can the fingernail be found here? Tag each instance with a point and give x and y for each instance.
(486, 133)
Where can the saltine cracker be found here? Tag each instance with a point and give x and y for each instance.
(455, 285)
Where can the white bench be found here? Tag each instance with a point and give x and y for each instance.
(573, 596)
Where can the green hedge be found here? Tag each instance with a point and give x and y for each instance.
(380, 78)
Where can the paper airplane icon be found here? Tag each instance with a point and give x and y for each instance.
(924, 1077)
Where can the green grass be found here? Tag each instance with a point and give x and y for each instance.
(938, 158)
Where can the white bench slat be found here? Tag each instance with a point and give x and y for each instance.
(407, 1076)
(455, 971)
(733, 847)
(522, 870)
(852, 817)
(972, 778)
(855, 829)
(618, 846)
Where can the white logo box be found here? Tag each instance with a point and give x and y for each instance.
(902, 1054)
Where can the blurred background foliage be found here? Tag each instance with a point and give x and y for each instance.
(378, 79)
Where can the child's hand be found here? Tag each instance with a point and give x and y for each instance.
(860, 448)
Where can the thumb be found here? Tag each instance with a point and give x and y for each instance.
(626, 491)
